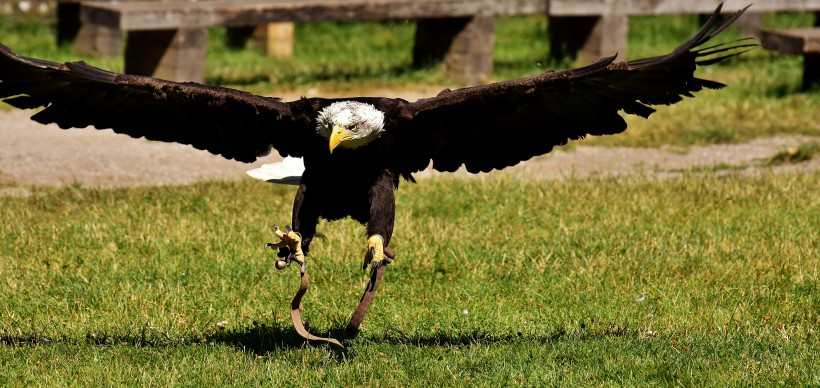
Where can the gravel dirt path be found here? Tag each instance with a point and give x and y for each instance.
(34, 154)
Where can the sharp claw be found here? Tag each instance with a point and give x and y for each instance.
(278, 231)
(375, 252)
(290, 240)
(274, 246)
(368, 257)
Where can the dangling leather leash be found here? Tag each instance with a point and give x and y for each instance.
(352, 329)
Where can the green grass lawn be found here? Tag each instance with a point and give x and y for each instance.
(697, 280)
(705, 279)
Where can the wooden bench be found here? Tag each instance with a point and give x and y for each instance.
(168, 39)
(803, 41)
(592, 29)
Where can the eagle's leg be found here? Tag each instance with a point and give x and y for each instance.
(305, 217)
(382, 217)
(295, 243)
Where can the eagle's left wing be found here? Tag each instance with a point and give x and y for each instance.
(227, 122)
(498, 125)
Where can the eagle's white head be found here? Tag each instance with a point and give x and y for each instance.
(350, 124)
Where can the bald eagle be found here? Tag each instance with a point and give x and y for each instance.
(356, 150)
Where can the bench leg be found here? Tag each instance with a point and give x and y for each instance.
(274, 39)
(86, 38)
(237, 37)
(98, 41)
(175, 55)
(588, 38)
(68, 22)
(811, 64)
(811, 71)
(463, 45)
(750, 24)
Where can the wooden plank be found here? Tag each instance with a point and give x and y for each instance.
(151, 15)
(792, 41)
(658, 7)
(147, 15)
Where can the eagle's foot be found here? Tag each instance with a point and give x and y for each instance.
(375, 252)
(290, 247)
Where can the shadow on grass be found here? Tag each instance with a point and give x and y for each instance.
(467, 338)
(257, 340)
(263, 339)
(260, 340)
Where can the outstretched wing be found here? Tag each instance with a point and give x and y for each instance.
(226, 122)
(498, 125)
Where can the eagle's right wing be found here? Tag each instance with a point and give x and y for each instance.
(499, 125)
(227, 122)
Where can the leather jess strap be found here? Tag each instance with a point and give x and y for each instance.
(352, 329)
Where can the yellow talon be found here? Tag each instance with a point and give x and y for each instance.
(291, 240)
(375, 251)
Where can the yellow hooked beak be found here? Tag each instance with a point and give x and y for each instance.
(338, 135)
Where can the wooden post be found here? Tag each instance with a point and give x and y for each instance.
(275, 39)
(750, 24)
(88, 39)
(237, 37)
(588, 38)
(464, 45)
(68, 22)
(811, 71)
(175, 55)
(99, 41)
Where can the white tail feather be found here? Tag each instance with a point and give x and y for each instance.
(289, 171)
